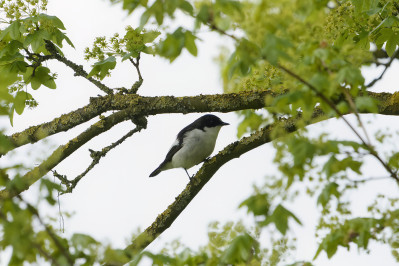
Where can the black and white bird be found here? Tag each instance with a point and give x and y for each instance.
(193, 144)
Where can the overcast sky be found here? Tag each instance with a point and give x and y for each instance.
(117, 197)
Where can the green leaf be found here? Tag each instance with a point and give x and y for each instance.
(5, 146)
(50, 83)
(172, 46)
(19, 102)
(320, 82)
(11, 115)
(280, 218)
(158, 10)
(150, 36)
(365, 5)
(55, 21)
(115, 255)
(7, 77)
(144, 18)
(35, 83)
(186, 6)
(82, 241)
(240, 250)
(350, 75)
(36, 40)
(274, 48)
(11, 48)
(18, 66)
(251, 122)
(58, 36)
(189, 42)
(131, 5)
(204, 14)
(103, 67)
(357, 230)
(391, 43)
(257, 204)
(12, 32)
(334, 166)
(39, 77)
(331, 189)
(394, 160)
(366, 104)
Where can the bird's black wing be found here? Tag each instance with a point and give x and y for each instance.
(179, 141)
(178, 145)
(172, 151)
(168, 158)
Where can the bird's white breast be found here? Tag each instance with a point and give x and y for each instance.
(197, 146)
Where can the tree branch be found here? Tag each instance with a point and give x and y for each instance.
(138, 83)
(134, 105)
(97, 155)
(142, 106)
(332, 105)
(19, 185)
(63, 123)
(78, 69)
(387, 65)
(205, 173)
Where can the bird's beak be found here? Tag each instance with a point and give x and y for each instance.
(225, 124)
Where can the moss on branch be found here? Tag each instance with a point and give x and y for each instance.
(141, 106)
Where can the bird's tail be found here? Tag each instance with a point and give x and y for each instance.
(156, 171)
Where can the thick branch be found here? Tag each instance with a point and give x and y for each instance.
(19, 185)
(142, 106)
(135, 105)
(60, 124)
(208, 169)
(389, 105)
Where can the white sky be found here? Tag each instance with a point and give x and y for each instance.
(117, 196)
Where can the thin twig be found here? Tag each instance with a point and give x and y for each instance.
(63, 151)
(214, 27)
(332, 106)
(354, 109)
(370, 179)
(137, 65)
(62, 228)
(387, 65)
(138, 83)
(45, 254)
(78, 69)
(96, 155)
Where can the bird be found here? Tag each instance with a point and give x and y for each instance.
(193, 144)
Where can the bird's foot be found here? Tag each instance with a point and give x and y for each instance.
(189, 177)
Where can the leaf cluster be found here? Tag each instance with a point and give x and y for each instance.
(23, 50)
(134, 42)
